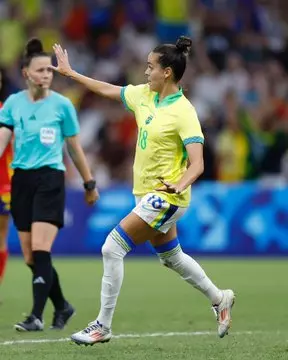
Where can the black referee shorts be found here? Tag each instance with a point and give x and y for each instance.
(37, 196)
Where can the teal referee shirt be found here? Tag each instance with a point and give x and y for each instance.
(40, 128)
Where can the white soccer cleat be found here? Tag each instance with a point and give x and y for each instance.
(92, 334)
(223, 312)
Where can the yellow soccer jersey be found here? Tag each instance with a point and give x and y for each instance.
(163, 131)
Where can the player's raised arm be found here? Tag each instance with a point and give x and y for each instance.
(99, 87)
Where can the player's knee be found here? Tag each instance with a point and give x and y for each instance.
(106, 249)
(3, 242)
(3, 235)
(3, 231)
(111, 249)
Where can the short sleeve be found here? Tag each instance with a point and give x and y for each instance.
(130, 96)
(70, 120)
(6, 118)
(190, 129)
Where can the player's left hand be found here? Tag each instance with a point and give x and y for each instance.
(169, 188)
(91, 196)
(63, 64)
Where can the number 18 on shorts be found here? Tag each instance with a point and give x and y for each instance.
(157, 212)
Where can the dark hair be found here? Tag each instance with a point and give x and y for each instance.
(174, 56)
(34, 48)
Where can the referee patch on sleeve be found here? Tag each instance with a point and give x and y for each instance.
(194, 139)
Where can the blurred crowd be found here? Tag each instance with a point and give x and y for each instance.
(236, 77)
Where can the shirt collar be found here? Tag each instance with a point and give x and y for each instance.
(168, 100)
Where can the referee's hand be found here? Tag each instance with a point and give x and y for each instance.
(91, 196)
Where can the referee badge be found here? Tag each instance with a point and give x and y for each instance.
(47, 136)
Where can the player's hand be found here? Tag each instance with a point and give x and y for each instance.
(169, 188)
(91, 196)
(63, 65)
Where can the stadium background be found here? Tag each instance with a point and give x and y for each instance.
(237, 80)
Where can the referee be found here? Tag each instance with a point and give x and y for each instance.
(40, 120)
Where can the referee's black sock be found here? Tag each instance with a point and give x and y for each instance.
(55, 294)
(42, 281)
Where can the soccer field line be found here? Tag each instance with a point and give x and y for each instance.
(127, 336)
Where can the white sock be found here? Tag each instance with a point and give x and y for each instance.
(191, 272)
(113, 255)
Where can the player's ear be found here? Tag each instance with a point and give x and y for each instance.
(167, 72)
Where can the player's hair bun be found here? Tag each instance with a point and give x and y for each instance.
(183, 44)
(34, 46)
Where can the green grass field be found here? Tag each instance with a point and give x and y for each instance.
(154, 300)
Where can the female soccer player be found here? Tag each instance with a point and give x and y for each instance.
(4, 207)
(41, 119)
(5, 188)
(169, 135)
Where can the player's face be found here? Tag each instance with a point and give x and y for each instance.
(38, 72)
(156, 75)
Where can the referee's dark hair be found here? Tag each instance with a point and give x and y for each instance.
(174, 56)
(34, 48)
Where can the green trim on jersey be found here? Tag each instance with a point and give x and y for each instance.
(168, 100)
(122, 95)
